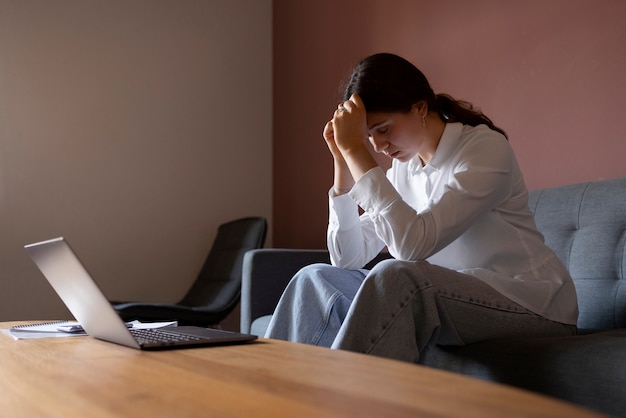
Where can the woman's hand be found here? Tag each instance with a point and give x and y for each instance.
(343, 180)
(329, 137)
(349, 126)
(349, 133)
(345, 136)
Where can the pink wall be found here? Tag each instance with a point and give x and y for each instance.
(551, 73)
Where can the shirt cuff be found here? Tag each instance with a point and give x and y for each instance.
(342, 211)
(373, 192)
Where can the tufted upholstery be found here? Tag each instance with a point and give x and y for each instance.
(585, 224)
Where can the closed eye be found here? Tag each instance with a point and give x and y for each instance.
(379, 130)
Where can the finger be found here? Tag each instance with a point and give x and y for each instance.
(328, 129)
(340, 109)
(356, 99)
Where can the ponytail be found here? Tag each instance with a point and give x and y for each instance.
(451, 110)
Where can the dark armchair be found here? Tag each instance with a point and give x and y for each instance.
(217, 290)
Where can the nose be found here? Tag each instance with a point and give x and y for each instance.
(379, 145)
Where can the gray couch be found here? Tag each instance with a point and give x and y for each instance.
(585, 224)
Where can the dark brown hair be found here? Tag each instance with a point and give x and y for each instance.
(389, 83)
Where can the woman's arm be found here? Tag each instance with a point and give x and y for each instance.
(476, 182)
(351, 241)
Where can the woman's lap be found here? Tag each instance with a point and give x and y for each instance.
(397, 309)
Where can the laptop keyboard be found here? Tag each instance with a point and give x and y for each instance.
(156, 336)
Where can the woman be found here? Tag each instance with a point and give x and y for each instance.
(468, 261)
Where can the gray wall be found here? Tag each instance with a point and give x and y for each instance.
(132, 128)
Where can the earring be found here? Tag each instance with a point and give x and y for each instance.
(423, 121)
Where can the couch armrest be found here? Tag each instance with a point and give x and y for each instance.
(266, 273)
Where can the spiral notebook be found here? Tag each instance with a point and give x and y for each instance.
(64, 328)
(49, 327)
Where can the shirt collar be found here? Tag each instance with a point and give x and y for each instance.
(447, 144)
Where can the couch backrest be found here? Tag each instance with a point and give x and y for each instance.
(585, 224)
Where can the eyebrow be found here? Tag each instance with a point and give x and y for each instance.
(376, 125)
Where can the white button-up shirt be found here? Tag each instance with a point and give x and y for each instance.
(466, 210)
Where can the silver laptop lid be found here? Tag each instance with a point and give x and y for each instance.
(82, 296)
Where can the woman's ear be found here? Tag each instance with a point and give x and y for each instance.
(420, 108)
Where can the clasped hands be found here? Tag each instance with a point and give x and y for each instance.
(345, 135)
(346, 132)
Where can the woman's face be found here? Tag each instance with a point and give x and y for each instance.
(397, 135)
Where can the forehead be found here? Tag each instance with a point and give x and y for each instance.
(376, 119)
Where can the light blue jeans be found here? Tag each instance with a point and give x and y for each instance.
(397, 309)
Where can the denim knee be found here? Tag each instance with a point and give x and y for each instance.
(312, 270)
(392, 269)
(309, 273)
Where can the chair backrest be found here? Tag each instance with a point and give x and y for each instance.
(218, 285)
(585, 224)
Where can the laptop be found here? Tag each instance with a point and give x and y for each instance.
(84, 299)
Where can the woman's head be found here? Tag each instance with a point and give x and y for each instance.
(388, 83)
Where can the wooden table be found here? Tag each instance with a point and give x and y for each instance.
(82, 376)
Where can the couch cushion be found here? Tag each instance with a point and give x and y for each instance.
(586, 369)
(585, 224)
